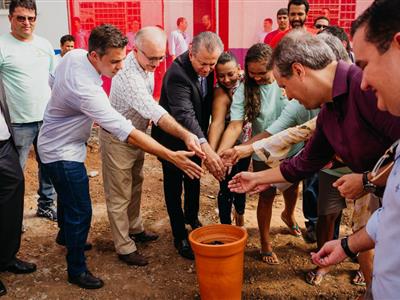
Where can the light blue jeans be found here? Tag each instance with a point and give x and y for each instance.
(26, 134)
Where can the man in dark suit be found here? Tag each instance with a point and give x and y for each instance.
(187, 94)
(11, 198)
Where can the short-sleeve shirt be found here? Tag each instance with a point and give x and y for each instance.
(272, 104)
(178, 42)
(25, 67)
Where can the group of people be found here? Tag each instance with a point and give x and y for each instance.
(300, 109)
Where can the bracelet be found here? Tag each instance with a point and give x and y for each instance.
(345, 245)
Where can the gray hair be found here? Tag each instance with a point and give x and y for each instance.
(336, 45)
(209, 40)
(152, 34)
(303, 48)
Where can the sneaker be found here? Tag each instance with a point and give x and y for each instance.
(48, 212)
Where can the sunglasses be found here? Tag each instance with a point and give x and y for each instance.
(22, 19)
(320, 26)
(385, 163)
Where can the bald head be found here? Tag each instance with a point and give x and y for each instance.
(150, 36)
(150, 46)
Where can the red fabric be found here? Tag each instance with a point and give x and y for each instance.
(269, 37)
(275, 41)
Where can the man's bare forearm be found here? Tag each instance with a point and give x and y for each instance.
(360, 241)
(171, 126)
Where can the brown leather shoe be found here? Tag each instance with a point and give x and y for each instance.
(133, 258)
(144, 236)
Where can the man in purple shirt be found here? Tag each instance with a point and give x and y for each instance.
(349, 125)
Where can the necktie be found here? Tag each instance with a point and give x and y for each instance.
(203, 85)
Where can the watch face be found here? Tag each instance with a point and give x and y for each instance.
(370, 188)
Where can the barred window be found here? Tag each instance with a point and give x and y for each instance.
(4, 4)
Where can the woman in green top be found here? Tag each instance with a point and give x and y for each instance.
(259, 100)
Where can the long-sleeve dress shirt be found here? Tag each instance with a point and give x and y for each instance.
(77, 99)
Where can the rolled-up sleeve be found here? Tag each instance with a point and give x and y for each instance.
(372, 225)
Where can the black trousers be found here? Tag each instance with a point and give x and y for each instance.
(174, 180)
(226, 198)
(11, 202)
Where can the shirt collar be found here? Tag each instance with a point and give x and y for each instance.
(132, 59)
(92, 70)
(340, 84)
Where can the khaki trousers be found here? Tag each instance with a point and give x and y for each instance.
(122, 166)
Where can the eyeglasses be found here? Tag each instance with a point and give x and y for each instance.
(22, 19)
(386, 160)
(152, 59)
(320, 26)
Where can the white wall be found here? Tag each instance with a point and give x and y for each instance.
(173, 9)
(246, 20)
(52, 20)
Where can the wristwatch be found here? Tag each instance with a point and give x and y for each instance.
(345, 245)
(369, 187)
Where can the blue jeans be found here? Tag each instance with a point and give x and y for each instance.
(74, 210)
(26, 134)
(310, 203)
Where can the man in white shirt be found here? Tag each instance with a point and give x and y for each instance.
(77, 100)
(26, 60)
(179, 40)
(131, 95)
(376, 43)
(267, 28)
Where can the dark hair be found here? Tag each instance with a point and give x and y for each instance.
(66, 38)
(104, 37)
(257, 53)
(179, 20)
(321, 18)
(224, 58)
(268, 20)
(299, 2)
(28, 4)
(340, 34)
(282, 11)
(382, 23)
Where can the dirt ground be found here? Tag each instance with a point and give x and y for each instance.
(168, 276)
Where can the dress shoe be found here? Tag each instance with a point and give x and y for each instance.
(133, 258)
(144, 236)
(184, 249)
(86, 280)
(3, 289)
(87, 247)
(18, 266)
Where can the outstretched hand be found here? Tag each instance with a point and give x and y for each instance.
(193, 144)
(331, 253)
(231, 156)
(182, 160)
(246, 182)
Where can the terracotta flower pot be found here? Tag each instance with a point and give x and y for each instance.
(219, 253)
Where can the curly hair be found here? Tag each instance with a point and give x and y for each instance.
(257, 53)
